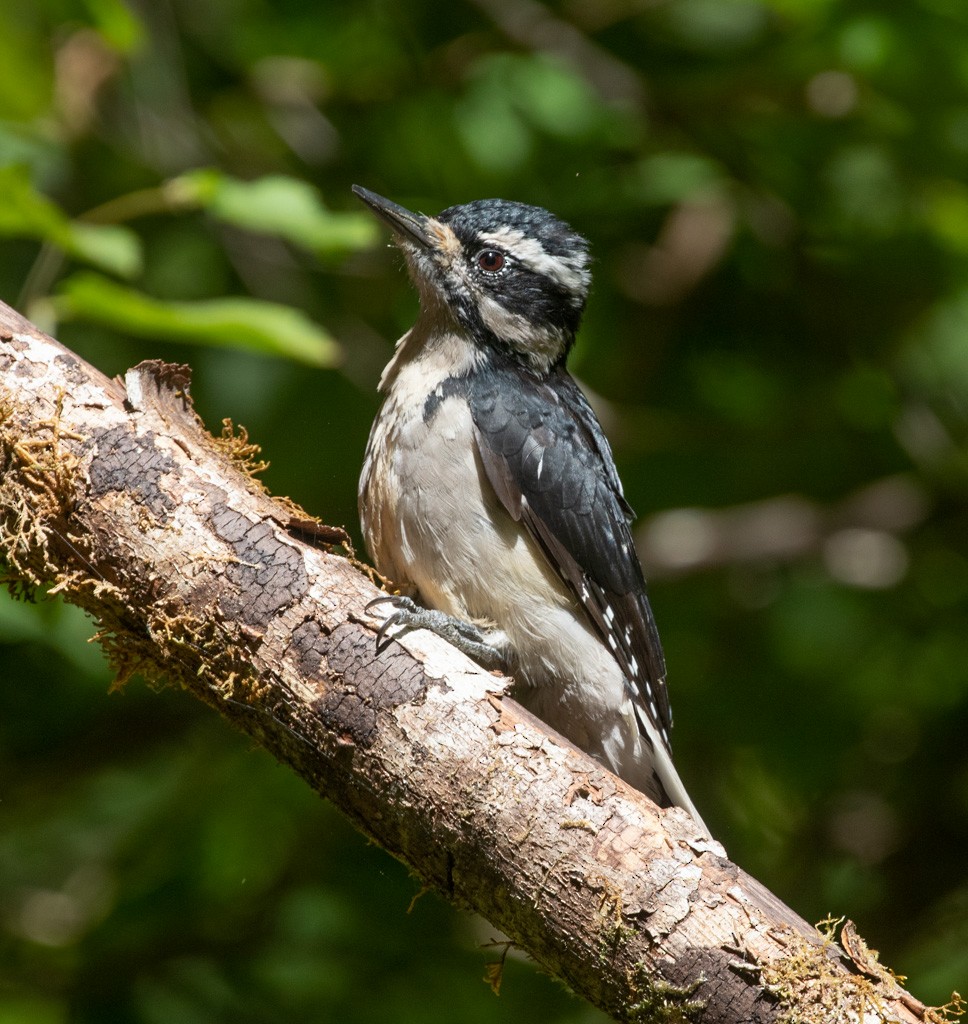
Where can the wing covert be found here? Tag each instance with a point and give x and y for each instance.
(545, 455)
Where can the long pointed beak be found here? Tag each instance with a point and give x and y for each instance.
(411, 226)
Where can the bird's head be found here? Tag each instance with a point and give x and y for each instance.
(515, 277)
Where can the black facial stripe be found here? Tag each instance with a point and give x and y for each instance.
(538, 299)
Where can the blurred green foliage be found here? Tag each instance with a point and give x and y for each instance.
(777, 196)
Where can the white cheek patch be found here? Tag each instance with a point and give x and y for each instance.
(508, 326)
(540, 346)
(571, 273)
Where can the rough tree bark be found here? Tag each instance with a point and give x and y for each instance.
(114, 495)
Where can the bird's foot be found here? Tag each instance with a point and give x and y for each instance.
(466, 637)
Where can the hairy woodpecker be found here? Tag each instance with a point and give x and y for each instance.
(489, 490)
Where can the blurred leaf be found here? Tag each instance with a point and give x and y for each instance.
(18, 622)
(946, 213)
(817, 628)
(109, 246)
(942, 954)
(867, 42)
(18, 145)
(739, 390)
(275, 205)
(955, 129)
(554, 97)
(26, 212)
(937, 354)
(866, 397)
(31, 1010)
(942, 576)
(117, 23)
(492, 132)
(509, 95)
(864, 183)
(671, 177)
(236, 322)
(710, 25)
(26, 83)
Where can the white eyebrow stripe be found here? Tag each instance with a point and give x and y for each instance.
(571, 273)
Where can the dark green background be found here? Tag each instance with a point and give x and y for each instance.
(776, 197)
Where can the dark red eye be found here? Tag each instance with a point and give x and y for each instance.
(491, 260)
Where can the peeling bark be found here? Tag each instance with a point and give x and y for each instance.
(113, 494)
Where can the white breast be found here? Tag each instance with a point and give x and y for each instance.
(432, 520)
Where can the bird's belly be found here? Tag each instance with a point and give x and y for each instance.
(432, 520)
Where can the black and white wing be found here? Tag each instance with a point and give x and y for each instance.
(545, 455)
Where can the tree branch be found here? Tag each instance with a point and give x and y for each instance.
(115, 496)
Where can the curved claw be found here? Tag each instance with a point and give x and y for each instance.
(388, 623)
(400, 600)
(405, 607)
